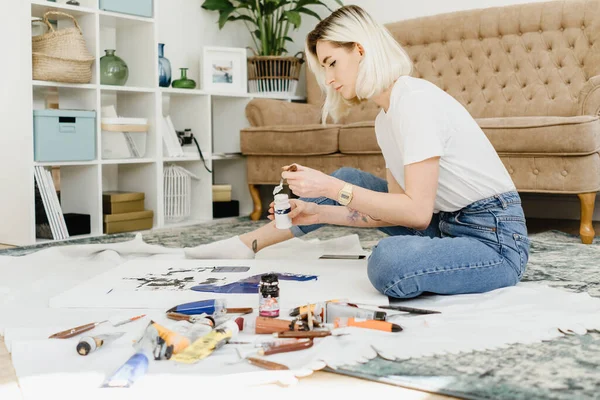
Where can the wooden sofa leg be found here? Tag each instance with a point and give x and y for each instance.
(255, 193)
(586, 228)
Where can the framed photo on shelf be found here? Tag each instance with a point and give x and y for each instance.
(224, 70)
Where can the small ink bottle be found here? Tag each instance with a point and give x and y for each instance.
(282, 210)
(268, 294)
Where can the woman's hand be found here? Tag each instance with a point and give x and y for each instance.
(303, 212)
(311, 183)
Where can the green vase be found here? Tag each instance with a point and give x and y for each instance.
(113, 70)
(184, 82)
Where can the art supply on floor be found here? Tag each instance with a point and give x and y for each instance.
(411, 310)
(134, 368)
(204, 319)
(209, 307)
(337, 310)
(265, 325)
(366, 323)
(279, 188)
(128, 320)
(276, 348)
(193, 319)
(268, 295)
(282, 210)
(265, 364)
(207, 344)
(240, 310)
(304, 309)
(69, 333)
(303, 334)
(89, 344)
(171, 338)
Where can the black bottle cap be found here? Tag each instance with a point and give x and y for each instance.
(380, 316)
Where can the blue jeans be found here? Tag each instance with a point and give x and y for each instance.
(482, 247)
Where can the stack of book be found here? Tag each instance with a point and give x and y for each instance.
(125, 212)
(44, 186)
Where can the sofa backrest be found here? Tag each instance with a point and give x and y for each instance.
(520, 60)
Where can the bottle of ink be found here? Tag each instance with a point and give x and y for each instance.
(268, 293)
(282, 210)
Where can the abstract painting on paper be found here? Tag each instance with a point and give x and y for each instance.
(158, 284)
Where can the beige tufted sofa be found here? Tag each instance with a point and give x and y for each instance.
(529, 74)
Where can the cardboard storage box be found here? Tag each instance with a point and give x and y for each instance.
(221, 192)
(119, 202)
(64, 135)
(143, 8)
(128, 222)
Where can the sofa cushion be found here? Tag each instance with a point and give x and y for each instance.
(543, 135)
(359, 138)
(266, 170)
(314, 139)
(543, 174)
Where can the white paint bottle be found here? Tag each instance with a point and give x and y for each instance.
(282, 211)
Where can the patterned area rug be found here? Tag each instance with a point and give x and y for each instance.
(567, 368)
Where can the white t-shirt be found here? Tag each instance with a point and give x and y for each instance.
(423, 122)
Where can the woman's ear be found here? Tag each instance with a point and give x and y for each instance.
(361, 50)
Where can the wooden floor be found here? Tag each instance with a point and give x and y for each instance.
(9, 388)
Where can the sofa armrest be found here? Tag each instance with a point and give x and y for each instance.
(267, 112)
(589, 97)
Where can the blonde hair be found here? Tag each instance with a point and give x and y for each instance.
(384, 59)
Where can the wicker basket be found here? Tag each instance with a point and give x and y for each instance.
(274, 74)
(61, 55)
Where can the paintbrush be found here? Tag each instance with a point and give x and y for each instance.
(69, 333)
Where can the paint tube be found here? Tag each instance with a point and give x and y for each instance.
(340, 310)
(161, 342)
(206, 345)
(90, 344)
(128, 373)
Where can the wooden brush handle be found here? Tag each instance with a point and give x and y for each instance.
(302, 334)
(69, 333)
(266, 364)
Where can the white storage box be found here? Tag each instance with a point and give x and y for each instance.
(124, 137)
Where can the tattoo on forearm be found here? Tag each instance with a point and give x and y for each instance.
(255, 245)
(356, 215)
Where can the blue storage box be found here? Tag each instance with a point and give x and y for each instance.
(142, 8)
(64, 135)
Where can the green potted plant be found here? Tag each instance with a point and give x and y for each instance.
(269, 23)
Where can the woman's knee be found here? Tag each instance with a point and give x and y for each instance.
(387, 273)
(347, 174)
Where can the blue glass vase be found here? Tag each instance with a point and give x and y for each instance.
(164, 67)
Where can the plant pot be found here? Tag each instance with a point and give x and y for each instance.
(274, 74)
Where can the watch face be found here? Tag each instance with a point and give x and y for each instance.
(345, 196)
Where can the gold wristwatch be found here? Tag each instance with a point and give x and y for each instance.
(345, 194)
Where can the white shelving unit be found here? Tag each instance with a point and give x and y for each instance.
(135, 39)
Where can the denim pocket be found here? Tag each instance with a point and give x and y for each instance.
(522, 245)
(483, 220)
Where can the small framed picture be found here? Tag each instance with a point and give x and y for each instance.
(224, 70)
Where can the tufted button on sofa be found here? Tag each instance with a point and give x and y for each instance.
(529, 74)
